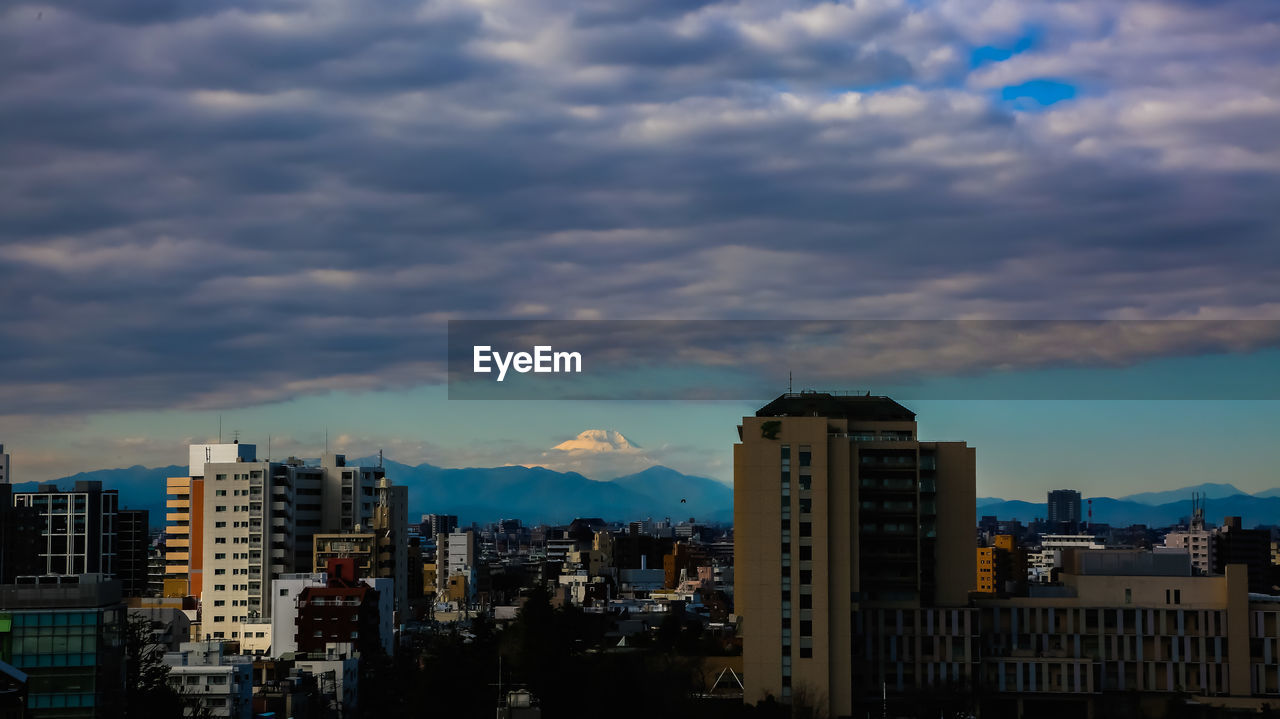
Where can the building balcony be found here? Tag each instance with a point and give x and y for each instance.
(178, 503)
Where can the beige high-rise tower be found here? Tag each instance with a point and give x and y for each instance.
(839, 508)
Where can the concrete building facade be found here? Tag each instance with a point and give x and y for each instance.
(455, 556)
(840, 509)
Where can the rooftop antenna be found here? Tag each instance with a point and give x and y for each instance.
(268, 448)
(235, 436)
(379, 459)
(326, 441)
(219, 429)
(788, 381)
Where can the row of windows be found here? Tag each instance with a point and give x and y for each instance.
(234, 587)
(256, 475)
(56, 619)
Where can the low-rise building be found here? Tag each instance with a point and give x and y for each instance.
(337, 677)
(211, 682)
(288, 609)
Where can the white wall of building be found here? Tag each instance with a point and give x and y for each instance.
(222, 684)
(200, 454)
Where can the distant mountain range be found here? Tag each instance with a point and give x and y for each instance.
(536, 494)
(533, 494)
(1155, 508)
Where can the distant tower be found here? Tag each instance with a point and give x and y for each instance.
(4, 466)
(1064, 510)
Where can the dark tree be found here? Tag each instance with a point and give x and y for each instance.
(147, 690)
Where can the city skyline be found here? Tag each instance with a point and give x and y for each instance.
(1025, 448)
(277, 222)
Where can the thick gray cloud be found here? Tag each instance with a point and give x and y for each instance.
(218, 204)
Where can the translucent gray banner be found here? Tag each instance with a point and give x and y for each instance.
(911, 359)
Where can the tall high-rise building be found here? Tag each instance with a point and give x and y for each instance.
(132, 552)
(78, 527)
(842, 518)
(259, 521)
(236, 523)
(391, 525)
(4, 466)
(1064, 511)
(184, 517)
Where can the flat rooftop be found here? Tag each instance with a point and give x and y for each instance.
(853, 407)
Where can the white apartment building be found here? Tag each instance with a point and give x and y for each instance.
(1198, 542)
(1041, 563)
(221, 685)
(455, 554)
(258, 523)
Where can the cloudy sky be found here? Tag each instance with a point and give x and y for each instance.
(269, 211)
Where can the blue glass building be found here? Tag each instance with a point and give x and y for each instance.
(66, 633)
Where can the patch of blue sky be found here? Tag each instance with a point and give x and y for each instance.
(1034, 95)
(999, 53)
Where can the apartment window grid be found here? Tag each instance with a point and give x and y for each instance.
(806, 548)
(786, 569)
